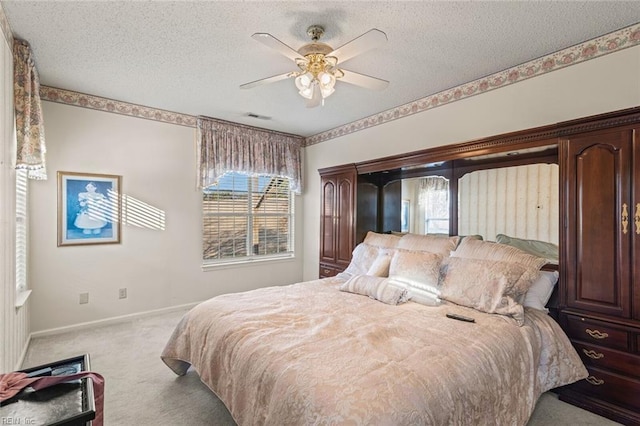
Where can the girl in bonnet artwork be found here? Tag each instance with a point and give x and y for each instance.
(93, 206)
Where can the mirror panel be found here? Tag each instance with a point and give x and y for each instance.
(519, 201)
(425, 205)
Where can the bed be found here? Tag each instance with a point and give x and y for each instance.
(380, 349)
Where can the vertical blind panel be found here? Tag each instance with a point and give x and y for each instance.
(517, 201)
(21, 229)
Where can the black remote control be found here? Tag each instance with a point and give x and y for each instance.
(460, 318)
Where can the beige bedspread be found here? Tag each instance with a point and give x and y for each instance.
(310, 354)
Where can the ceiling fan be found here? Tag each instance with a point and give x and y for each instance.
(318, 64)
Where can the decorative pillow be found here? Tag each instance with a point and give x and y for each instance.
(381, 240)
(535, 247)
(540, 291)
(478, 249)
(380, 266)
(416, 269)
(490, 286)
(423, 297)
(377, 288)
(362, 258)
(440, 244)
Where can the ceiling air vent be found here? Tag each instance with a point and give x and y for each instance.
(259, 117)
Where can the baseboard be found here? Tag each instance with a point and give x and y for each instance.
(112, 320)
(23, 354)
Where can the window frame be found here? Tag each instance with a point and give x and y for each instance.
(208, 264)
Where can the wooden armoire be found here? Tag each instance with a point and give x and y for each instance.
(600, 307)
(598, 295)
(337, 218)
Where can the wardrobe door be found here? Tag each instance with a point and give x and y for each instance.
(327, 219)
(599, 231)
(345, 218)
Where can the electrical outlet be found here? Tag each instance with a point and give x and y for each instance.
(122, 293)
(84, 298)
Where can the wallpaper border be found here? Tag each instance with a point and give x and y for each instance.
(600, 46)
(609, 43)
(69, 97)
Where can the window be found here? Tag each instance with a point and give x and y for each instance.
(246, 218)
(434, 203)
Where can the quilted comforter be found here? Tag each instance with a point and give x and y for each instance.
(308, 354)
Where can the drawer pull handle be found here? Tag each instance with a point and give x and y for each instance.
(636, 218)
(594, 381)
(596, 334)
(625, 218)
(593, 354)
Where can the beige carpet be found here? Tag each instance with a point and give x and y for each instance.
(141, 390)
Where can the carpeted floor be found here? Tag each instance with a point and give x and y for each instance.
(141, 390)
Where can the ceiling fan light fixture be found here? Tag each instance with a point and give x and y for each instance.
(327, 82)
(303, 81)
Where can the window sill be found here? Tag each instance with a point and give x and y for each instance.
(21, 298)
(246, 262)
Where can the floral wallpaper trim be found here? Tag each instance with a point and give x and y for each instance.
(6, 28)
(609, 43)
(69, 97)
(612, 42)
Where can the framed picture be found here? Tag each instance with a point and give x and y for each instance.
(88, 209)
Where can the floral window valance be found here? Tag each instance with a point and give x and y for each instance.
(228, 147)
(31, 149)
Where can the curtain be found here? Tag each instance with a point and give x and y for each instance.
(228, 147)
(433, 187)
(31, 149)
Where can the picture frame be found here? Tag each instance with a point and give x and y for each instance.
(89, 208)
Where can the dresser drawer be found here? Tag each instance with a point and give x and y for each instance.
(597, 332)
(596, 356)
(611, 387)
(327, 271)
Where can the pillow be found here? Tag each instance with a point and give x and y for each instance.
(422, 297)
(540, 291)
(380, 266)
(362, 258)
(377, 288)
(478, 249)
(440, 244)
(535, 247)
(381, 240)
(491, 286)
(416, 270)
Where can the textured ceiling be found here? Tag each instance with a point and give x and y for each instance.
(190, 56)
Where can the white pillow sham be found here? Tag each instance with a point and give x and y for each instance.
(378, 288)
(419, 273)
(540, 291)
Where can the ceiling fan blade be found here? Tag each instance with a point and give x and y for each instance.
(272, 42)
(363, 80)
(267, 80)
(367, 41)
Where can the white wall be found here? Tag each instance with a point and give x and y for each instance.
(159, 268)
(608, 83)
